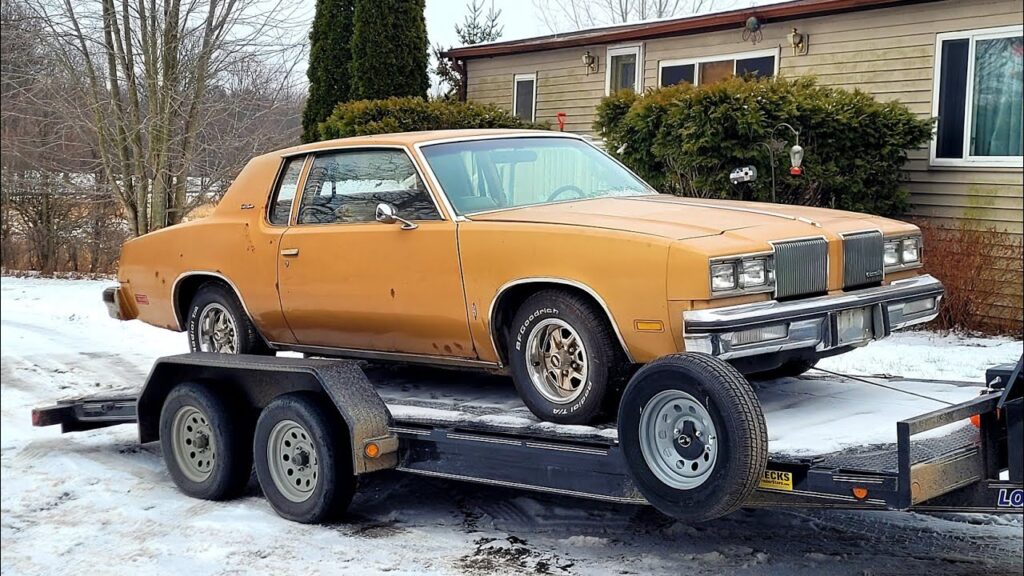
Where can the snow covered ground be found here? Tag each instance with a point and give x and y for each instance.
(99, 502)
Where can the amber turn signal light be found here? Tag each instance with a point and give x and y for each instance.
(372, 450)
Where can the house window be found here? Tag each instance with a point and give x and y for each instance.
(716, 68)
(979, 80)
(524, 96)
(623, 71)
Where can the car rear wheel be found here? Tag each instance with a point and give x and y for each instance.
(563, 357)
(218, 323)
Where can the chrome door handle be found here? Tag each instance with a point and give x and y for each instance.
(290, 252)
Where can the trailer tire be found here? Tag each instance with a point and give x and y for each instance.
(205, 441)
(302, 459)
(693, 436)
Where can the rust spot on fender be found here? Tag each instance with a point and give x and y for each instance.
(447, 348)
(392, 292)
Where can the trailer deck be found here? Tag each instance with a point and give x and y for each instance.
(466, 426)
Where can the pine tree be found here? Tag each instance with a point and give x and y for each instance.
(329, 55)
(389, 49)
(477, 28)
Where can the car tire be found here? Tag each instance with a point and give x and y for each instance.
(708, 404)
(215, 303)
(790, 369)
(303, 459)
(206, 440)
(591, 351)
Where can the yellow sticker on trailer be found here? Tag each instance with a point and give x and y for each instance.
(776, 480)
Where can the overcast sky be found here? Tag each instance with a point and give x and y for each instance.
(520, 18)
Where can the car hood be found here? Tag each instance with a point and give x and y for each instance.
(679, 218)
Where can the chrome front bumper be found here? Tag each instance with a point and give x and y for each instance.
(822, 323)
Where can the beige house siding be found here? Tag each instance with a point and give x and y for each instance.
(888, 52)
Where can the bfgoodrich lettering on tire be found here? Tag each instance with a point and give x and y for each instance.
(563, 356)
(694, 436)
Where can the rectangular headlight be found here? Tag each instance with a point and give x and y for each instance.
(723, 276)
(892, 253)
(910, 251)
(753, 273)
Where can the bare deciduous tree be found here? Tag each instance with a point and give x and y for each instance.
(569, 15)
(169, 91)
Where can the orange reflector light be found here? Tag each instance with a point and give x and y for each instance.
(372, 450)
(648, 325)
(860, 493)
(976, 420)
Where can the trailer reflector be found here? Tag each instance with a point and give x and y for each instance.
(372, 450)
(860, 493)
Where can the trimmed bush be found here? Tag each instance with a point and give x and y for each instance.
(413, 114)
(686, 139)
(389, 49)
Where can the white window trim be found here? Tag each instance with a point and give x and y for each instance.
(774, 52)
(968, 161)
(638, 80)
(516, 79)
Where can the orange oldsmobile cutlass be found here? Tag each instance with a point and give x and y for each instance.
(529, 252)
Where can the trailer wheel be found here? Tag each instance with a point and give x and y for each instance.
(693, 435)
(205, 443)
(302, 459)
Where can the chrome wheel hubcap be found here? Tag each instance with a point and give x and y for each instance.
(557, 361)
(217, 332)
(678, 439)
(192, 440)
(292, 459)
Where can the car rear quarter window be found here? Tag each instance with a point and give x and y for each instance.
(346, 187)
(284, 191)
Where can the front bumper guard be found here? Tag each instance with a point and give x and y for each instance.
(811, 323)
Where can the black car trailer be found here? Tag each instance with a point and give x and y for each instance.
(319, 424)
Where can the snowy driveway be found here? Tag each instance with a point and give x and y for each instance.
(97, 502)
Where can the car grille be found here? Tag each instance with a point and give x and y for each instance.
(801, 267)
(862, 259)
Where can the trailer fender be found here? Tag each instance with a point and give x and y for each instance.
(254, 381)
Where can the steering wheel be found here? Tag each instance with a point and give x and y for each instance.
(567, 188)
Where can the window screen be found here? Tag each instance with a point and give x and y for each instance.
(671, 75)
(345, 187)
(952, 98)
(763, 66)
(284, 192)
(623, 72)
(524, 98)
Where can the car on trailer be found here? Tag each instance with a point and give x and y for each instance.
(532, 253)
(690, 439)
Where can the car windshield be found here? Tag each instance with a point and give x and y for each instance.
(491, 174)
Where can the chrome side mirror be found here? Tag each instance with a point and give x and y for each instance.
(386, 215)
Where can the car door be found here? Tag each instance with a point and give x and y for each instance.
(348, 281)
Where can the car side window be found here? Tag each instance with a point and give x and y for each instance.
(284, 192)
(346, 187)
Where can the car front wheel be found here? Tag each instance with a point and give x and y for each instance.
(563, 357)
(218, 323)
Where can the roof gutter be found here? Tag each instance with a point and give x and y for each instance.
(692, 25)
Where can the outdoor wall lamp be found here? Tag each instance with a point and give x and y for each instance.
(590, 61)
(798, 42)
